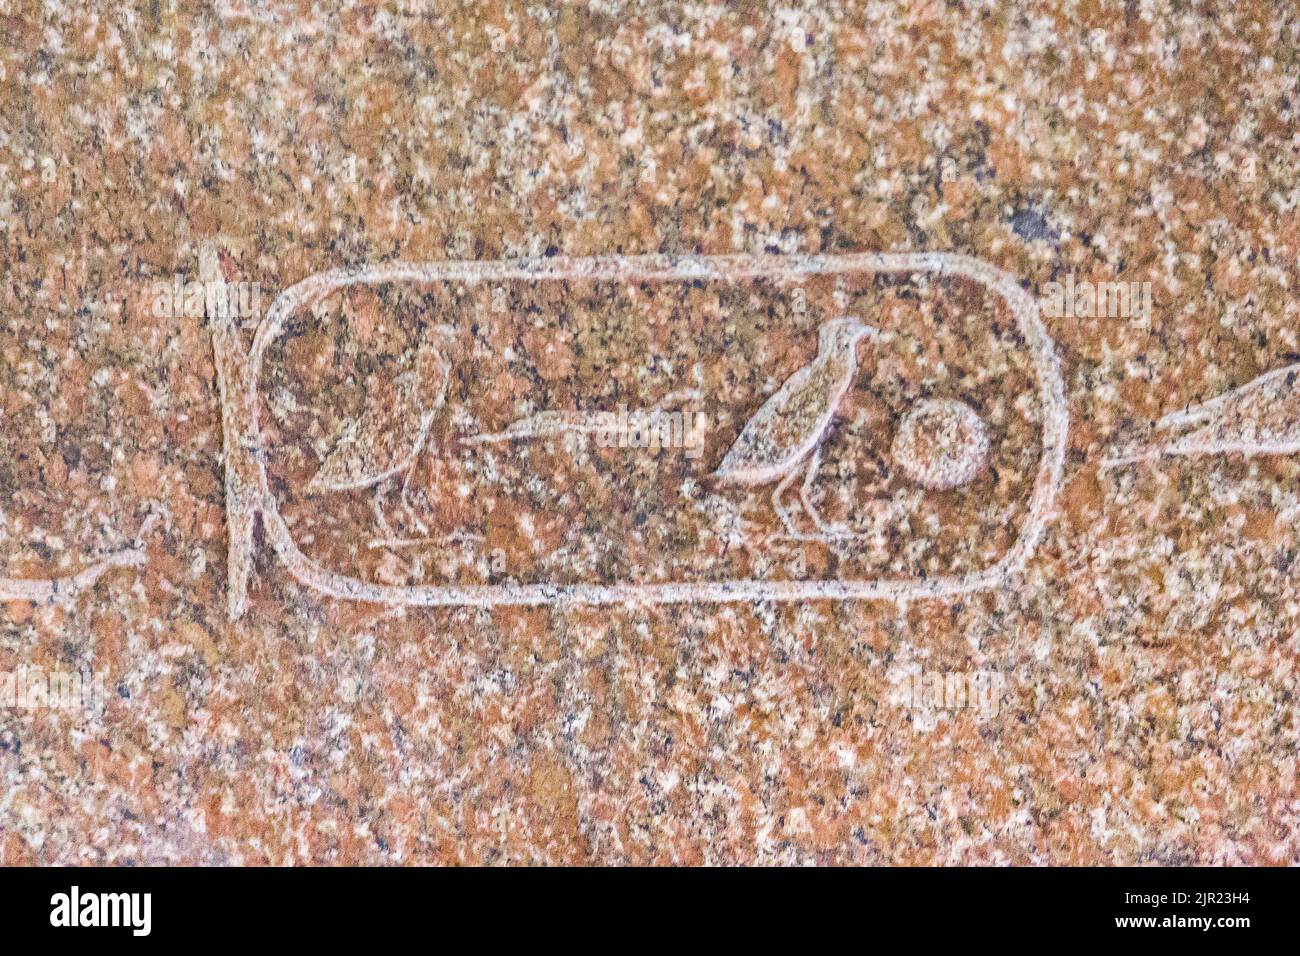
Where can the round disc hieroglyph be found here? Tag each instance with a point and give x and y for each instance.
(941, 443)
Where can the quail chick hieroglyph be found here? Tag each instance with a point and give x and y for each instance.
(787, 431)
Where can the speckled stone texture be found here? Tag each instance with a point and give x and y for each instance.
(1148, 653)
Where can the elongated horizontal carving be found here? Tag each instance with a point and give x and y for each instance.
(251, 494)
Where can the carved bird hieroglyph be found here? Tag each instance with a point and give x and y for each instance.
(386, 439)
(787, 431)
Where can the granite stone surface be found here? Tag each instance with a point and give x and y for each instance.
(638, 656)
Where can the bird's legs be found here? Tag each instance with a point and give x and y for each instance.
(380, 518)
(784, 515)
(792, 533)
(805, 490)
(390, 538)
(825, 531)
(421, 446)
(408, 505)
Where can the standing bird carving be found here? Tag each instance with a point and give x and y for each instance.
(386, 439)
(1261, 417)
(786, 433)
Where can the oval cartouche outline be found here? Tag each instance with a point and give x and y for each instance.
(659, 268)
